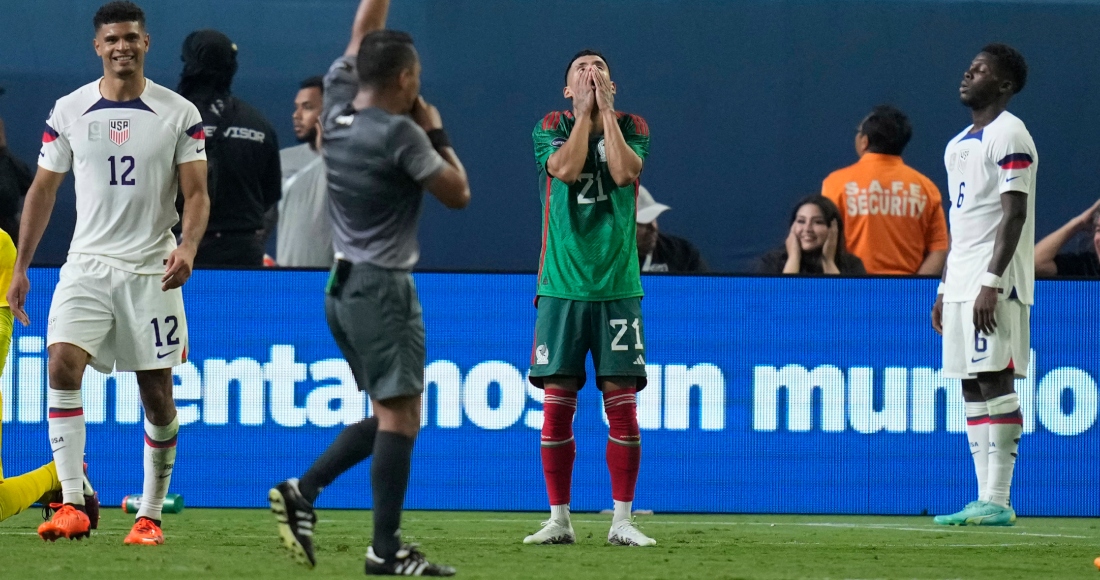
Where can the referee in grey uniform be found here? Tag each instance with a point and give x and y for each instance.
(383, 145)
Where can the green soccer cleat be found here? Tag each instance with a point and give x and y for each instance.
(979, 513)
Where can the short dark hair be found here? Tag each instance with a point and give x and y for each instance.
(382, 56)
(118, 11)
(314, 82)
(585, 52)
(1009, 63)
(887, 130)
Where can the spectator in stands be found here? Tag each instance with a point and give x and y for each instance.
(892, 214)
(15, 180)
(1048, 262)
(304, 235)
(658, 251)
(815, 243)
(244, 179)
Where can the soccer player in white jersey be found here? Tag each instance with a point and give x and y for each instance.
(118, 304)
(983, 303)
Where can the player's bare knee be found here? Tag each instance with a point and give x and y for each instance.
(972, 391)
(156, 395)
(66, 366)
(562, 382)
(617, 383)
(997, 384)
(399, 415)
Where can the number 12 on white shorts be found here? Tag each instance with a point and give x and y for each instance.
(123, 320)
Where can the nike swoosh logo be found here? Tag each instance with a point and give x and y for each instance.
(1011, 178)
(165, 354)
(978, 360)
(200, 149)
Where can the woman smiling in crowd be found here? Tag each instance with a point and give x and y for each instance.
(815, 244)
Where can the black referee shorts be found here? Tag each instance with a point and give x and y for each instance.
(375, 316)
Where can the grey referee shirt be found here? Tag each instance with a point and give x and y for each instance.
(377, 166)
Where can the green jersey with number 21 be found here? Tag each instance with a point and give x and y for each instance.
(589, 244)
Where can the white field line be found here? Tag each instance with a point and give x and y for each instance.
(495, 539)
(898, 527)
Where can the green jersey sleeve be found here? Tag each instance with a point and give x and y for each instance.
(636, 132)
(549, 135)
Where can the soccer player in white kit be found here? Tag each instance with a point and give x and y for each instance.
(983, 303)
(118, 304)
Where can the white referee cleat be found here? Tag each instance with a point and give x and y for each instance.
(625, 533)
(553, 532)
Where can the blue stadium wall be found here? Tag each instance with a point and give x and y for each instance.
(765, 395)
(751, 103)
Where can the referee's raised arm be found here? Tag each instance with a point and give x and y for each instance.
(369, 17)
(383, 146)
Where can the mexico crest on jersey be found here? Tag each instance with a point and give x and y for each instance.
(120, 131)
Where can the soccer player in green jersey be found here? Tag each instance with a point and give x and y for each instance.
(589, 290)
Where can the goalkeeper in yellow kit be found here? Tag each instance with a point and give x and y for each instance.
(18, 493)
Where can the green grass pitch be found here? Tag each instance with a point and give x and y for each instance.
(239, 544)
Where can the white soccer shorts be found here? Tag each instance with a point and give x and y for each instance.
(124, 320)
(967, 352)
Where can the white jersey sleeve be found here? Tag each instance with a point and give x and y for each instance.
(57, 153)
(191, 143)
(1013, 152)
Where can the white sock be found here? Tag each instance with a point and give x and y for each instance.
(560, 513)
(1005, 426)
(67, 437)
(160, 458)
(622, 511)
(977, 433)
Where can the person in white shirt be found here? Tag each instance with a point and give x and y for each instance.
(983, 304)
(304, 236)
(131, 145)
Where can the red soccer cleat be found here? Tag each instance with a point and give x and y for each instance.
(53, 500)
(67, 522)
(145, 532)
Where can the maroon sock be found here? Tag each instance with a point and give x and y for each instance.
(624, 442)
(558, 447)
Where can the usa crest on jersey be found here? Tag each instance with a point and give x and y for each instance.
(120, 131)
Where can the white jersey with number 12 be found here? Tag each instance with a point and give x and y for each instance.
(124, 156)
(981, 167)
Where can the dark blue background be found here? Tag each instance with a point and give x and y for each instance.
(751, 102)
(734, 323)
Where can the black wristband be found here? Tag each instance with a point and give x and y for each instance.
(439, 138)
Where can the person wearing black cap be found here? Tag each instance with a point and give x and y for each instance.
(244, 178)
(15, 180)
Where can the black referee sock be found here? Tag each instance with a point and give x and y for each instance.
(389, 475)
(354, 444)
